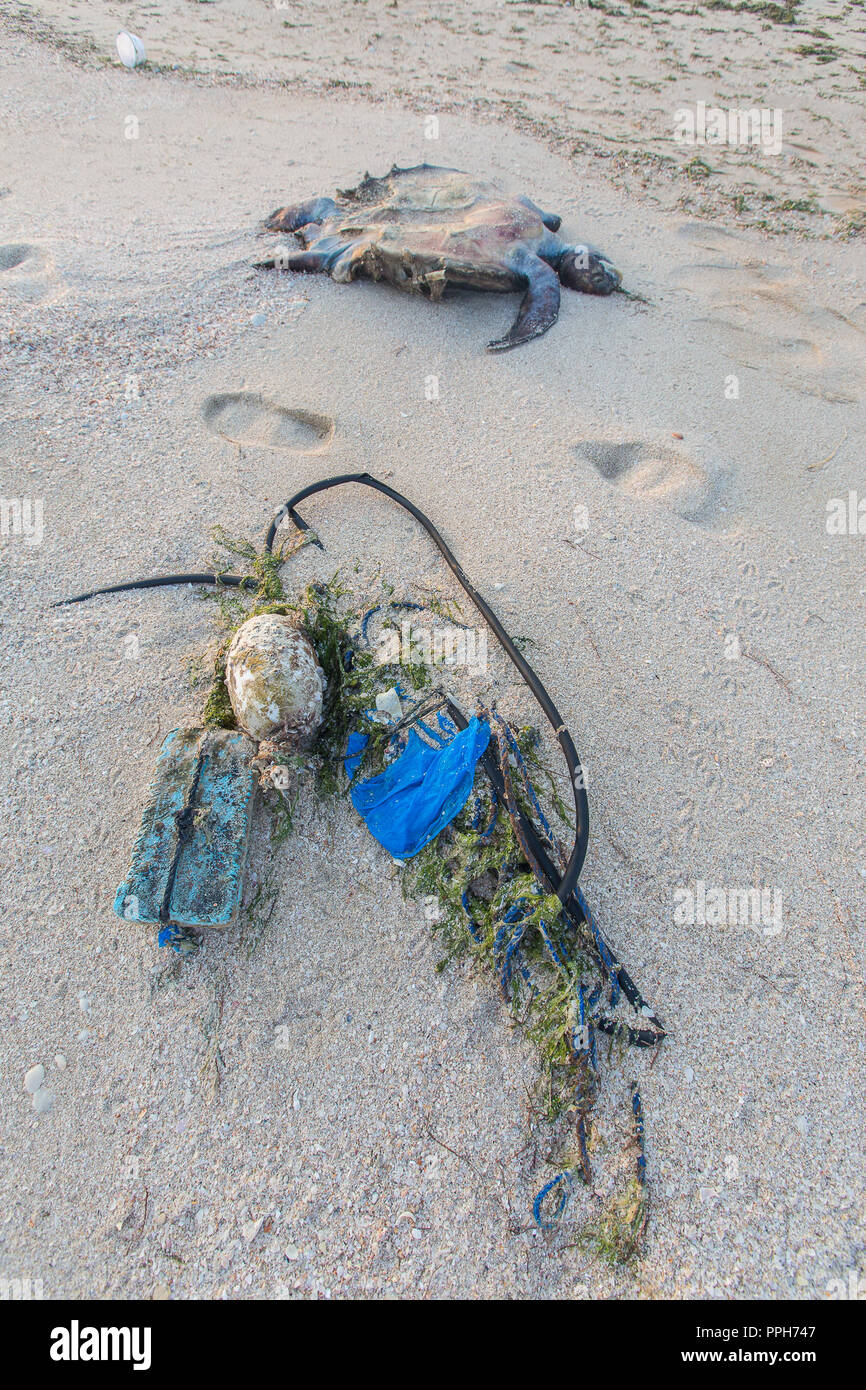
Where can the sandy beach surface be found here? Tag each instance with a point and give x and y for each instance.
(668, 498)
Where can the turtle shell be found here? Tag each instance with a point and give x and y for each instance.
(423, 228)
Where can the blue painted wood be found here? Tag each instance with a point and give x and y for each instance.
(188, 862)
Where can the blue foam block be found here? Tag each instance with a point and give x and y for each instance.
(188, 862)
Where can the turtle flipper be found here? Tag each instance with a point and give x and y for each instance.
(312, 261)
(550, 219)
(321, 254)
(539, 309)
(289, 219)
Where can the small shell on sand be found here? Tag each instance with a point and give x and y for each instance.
(43, 1101)
(274, 681)
(34, 1078)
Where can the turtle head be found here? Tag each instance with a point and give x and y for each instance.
(588, 271)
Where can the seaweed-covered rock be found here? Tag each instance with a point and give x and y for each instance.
(274, 681)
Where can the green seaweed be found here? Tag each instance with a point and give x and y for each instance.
(218, 712)
(617, 1233)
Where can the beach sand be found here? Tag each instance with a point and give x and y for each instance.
(308, 1107)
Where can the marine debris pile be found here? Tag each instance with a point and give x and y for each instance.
(350, 693)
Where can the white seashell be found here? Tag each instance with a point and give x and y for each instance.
(274, 681)
(34, 1078)
(130, 49)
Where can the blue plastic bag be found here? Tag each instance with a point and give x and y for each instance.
(354, 753)
(417, 795)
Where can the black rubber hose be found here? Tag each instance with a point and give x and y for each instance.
(232, 581)
(566, 743)
(567, 883)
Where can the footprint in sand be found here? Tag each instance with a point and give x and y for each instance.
(663, 476)
(725, 278)
(27, 273)
(12, 256)
(816, 353)
(763, 315)
(711, 237)
(245, 418)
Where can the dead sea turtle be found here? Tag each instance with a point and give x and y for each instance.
(426, 228)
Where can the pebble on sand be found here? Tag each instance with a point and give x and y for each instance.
(34, 1078)
(43, 1101)
(250, 1230)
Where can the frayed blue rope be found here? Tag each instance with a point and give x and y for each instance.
(406, 607)
(567, 1184)
(637, 1112)
(507, 967)
(607, 960)
(476, 816)
(434, 737)
(510, 936)
(552, 951)
(512, 916)
(476, 934)
(527, 783)
(366, 619)
(180, 939)
(474, 929)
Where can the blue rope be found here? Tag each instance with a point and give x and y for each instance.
(512, 916)
(435, 738)
(474, 929)
(180, 939)
(406, 607)
(511, 938)
(545, 933)
(637, 1112)
(476, 818)
(527, 783)
(366, 618)
(607, 960)
(507, 968)
(567, 1184)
